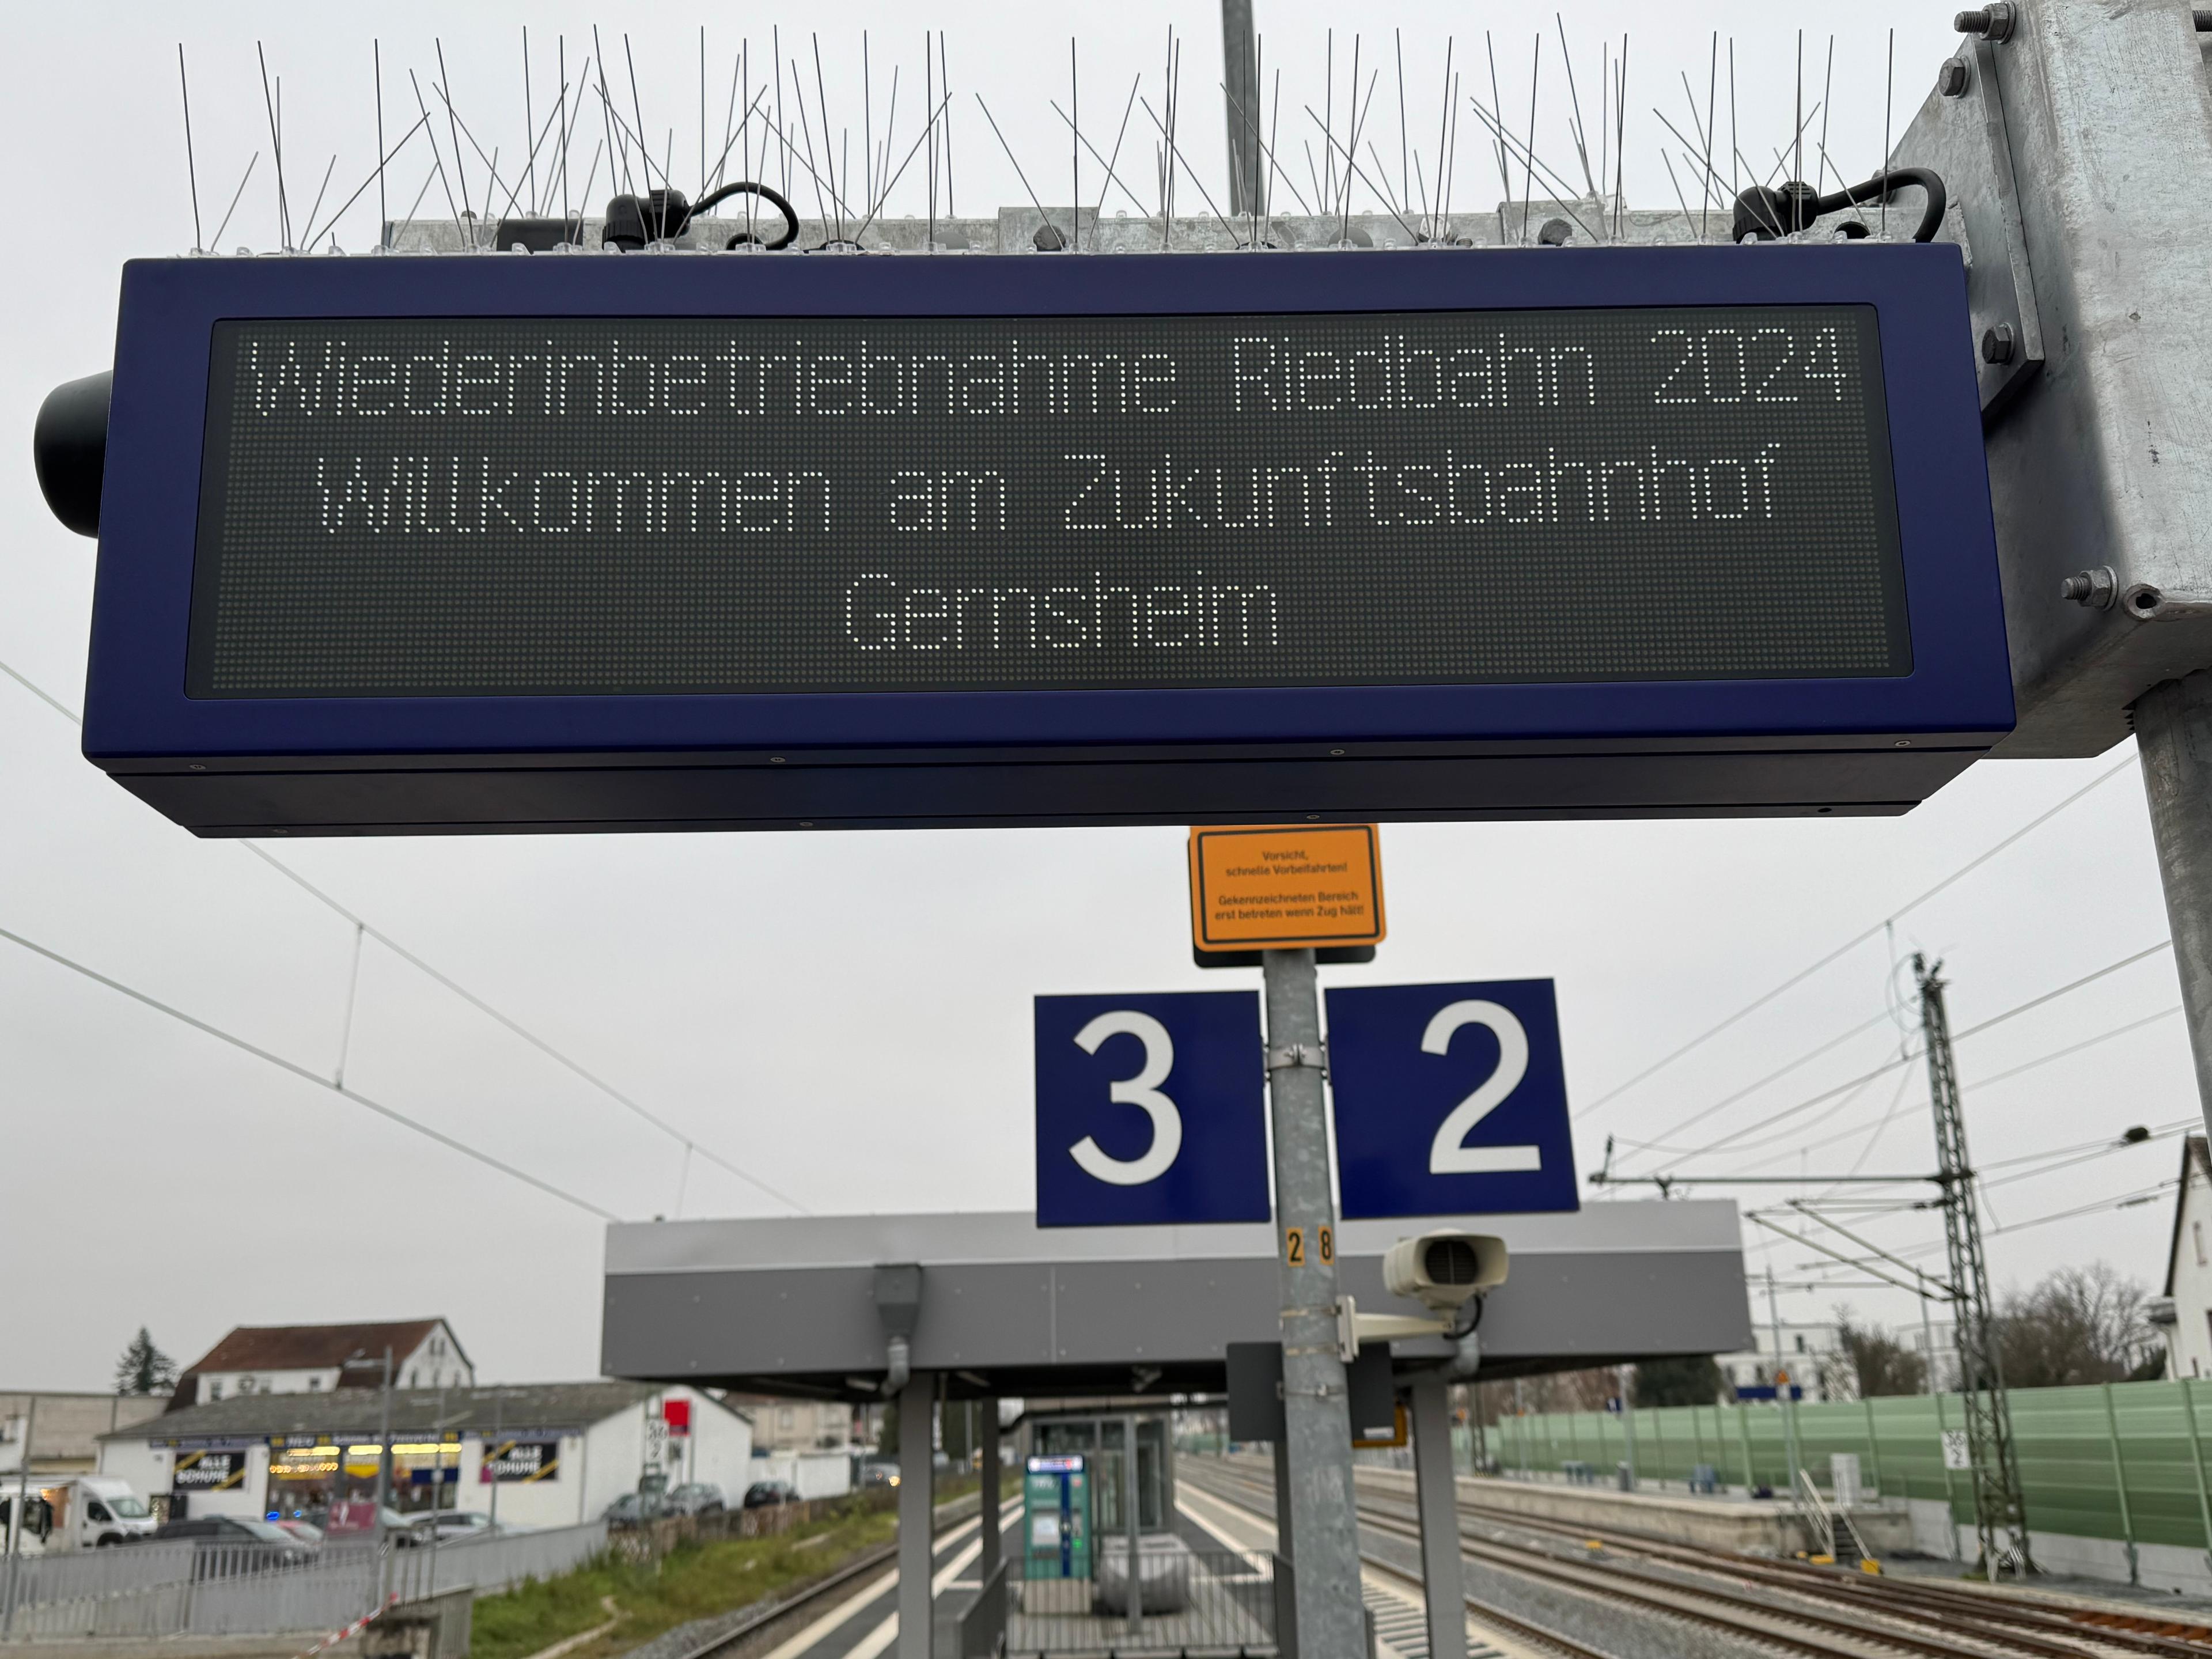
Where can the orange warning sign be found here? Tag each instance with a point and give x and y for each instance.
(1280, 887)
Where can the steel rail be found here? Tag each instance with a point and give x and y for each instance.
(1927, 1603)
(1490, 1612)
(1669, 1598)
(761, 1618)
(1860, 1590)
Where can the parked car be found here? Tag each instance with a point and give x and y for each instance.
(698, 1497)
(766, 1494)
(635, 1509)
(456, 1526)
(879, 1474)
(277, 1547)
(306, 1532)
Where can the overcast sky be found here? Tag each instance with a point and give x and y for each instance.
(847, 1016)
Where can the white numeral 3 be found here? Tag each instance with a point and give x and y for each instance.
(1142, 1089)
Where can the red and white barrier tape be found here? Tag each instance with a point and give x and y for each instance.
(350, 1630)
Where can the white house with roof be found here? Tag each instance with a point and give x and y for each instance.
(2184, 1313)
(320, 1359)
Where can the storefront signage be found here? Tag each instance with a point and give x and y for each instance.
(208, 1471)
(520, 1462)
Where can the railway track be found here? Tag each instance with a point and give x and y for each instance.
(2026, 1615)
(1820, 1612)
(815, 1598)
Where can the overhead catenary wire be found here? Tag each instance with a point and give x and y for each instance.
(302, 1071)
(1905, 1059)
(1858, 940)
(371, 931)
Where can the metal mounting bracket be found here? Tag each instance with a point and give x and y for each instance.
(1290, 1056)
(1964, 137)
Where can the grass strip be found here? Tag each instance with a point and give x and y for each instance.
(693, 1581)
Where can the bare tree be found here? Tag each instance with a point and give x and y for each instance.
(1872, 1363)
(2075, 1325)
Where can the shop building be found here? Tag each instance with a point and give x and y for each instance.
(555, 1454)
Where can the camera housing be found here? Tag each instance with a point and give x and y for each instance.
(1445, 1270)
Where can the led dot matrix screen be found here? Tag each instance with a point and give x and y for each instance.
(608, 506)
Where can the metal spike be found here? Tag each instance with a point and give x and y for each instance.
(191, 167)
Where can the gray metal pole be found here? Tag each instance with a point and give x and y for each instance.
(1782, 1390)
(988, 1483)
(384, 1450)
(1282, 1451)
(1437, 1496)
(1316, 1415)
(1926, 1332)
(495, 1402)
(15, 1515)
(2173, 735)
(916, 1468)
(1131, 1528)
(2120, 1486)
(1241, 79)
(1628, 1425)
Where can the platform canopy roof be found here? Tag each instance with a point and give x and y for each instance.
(790, 1306)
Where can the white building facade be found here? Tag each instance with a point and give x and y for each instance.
(552, 1454)
(2186, 1317)
(1809, 1354)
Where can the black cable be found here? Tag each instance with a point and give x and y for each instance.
(1765, 212)
(767, 193)
(662, 215)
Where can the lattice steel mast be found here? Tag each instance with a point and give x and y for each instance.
(2000, 1517)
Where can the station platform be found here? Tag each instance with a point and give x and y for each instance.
(1757, 1525)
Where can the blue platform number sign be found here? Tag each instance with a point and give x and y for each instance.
(1149, 1110)
(1450, 1099)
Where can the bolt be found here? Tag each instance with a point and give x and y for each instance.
(1997, 344)
(2094, 588)
(1951, 79)
(1992, 22)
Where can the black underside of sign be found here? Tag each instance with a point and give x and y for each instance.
(413, 797)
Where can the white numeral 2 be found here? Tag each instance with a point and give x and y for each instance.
(1142, 1089)
(1448, 1153)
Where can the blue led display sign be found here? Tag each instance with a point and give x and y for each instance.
(414, 544)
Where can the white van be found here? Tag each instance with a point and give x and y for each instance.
(81, 1512)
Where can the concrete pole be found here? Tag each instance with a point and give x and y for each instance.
(1316, 1414)
(916, 1471)
(987, 1484)
(1437, 1496)
(2173, 735)
(1241, 79)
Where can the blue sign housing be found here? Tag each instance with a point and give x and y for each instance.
(1450, 1099)
(1149, 1110)
(432, 544)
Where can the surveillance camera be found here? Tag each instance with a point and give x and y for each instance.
(1444, 1270)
